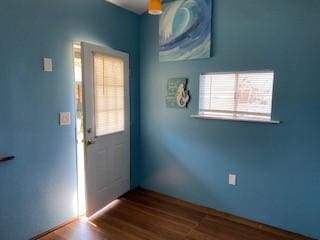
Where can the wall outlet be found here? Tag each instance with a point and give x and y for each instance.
(65, 118)
(232, 179)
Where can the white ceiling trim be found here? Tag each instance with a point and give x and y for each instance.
(137, 6)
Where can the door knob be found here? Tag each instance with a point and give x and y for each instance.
(90, 142)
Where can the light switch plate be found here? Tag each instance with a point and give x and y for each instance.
(65, 118)
(47, 65)
(232, 179)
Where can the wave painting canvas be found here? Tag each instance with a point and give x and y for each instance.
(185, 30)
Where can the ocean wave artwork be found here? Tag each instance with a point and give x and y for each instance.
(185, 30)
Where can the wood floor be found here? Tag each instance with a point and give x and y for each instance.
(142, 215)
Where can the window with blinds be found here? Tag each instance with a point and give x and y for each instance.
(109, 94)
(237, 95)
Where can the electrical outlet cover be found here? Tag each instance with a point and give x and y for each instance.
(65, 118)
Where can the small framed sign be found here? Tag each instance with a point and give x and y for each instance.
(177, 94)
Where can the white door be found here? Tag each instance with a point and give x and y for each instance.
(107, 129)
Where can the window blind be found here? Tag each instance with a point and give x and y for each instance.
(237, 95)
(109, 94)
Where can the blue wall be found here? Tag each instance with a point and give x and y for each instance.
(38, 188)
(277, 165)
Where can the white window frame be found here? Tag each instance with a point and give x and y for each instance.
(202, 115)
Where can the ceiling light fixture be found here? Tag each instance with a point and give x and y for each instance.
(155, 7)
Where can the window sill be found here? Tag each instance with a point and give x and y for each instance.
(235, 119)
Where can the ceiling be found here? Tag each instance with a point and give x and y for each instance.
(137, 6)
